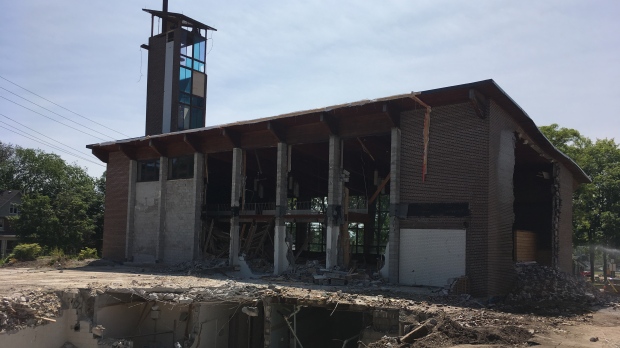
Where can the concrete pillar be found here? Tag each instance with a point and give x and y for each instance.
(199, 167)
(394, 236)
(334, 201)
(235, 205)
(3, 248)
(280, 249)
(163, 178)
(131, 207)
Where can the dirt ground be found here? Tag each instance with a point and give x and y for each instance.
(459, 321)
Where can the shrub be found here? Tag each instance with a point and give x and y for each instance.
(88, 253)
(58, 255)
(27, 252)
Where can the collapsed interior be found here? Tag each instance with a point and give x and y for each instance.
(533, 182)
(366, 167)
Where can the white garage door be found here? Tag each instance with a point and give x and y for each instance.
(431, 257)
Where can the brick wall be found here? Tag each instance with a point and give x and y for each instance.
(115, 216)
(565, 257)
(457, 172)
(501, 198)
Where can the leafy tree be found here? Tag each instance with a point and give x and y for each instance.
(62, 206)
(596, 206)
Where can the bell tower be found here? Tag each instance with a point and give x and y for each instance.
(176, 92)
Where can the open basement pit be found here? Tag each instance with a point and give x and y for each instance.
(49, 309)
(238, 314)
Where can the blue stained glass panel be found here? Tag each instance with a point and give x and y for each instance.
(183, 119)
(185, 80)
(197, 118)
(199, 66)
(184, 98)
(198, 101)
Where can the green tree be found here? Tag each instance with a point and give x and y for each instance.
(62, 206)
(596, 206)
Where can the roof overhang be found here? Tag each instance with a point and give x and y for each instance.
(358, 119)
(179, 18)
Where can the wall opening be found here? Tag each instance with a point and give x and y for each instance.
(533, 205)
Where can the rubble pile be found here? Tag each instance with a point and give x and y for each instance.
(231, 291)
(198, 266)
(441, 331)
(315, 272)
(536, 283)
(28, 309)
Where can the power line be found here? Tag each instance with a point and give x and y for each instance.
(52, 139)
(64, 124)
(62, 107)
(66, 118)
(33, 138)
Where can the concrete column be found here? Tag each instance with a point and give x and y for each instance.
(199, 166)
(334, 201)
(280, 250)
(161, 232)
(3, 248)
(131, 207)
(394, 236)
(235, 205)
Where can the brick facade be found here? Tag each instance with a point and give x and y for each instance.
(501, 198)
(457, 172)
(115, 216)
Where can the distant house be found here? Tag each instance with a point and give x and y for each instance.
(9, 206)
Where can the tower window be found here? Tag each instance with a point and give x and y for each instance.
(192, 81)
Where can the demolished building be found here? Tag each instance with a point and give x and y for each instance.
(429, 187)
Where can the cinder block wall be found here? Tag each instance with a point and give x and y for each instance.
(146, 222)
(115, 216)
(458, 159)
(179, 221)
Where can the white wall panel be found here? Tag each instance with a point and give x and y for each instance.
(431, 257)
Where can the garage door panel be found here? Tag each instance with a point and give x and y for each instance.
(431, 256)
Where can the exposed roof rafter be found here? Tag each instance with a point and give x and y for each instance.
(330, 122)
(277, 131)
(232, 136)
(158, 148)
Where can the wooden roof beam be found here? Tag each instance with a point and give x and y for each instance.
(393, 113)
(277, 131)
(330, 122)
(232, 137)
(193, 142)
(128, 151)
(158, 148)
(103, 156)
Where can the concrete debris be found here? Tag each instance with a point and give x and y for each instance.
(542, 284)
(199, 266)
(28, 310)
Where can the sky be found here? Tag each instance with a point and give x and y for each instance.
(79, 63)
